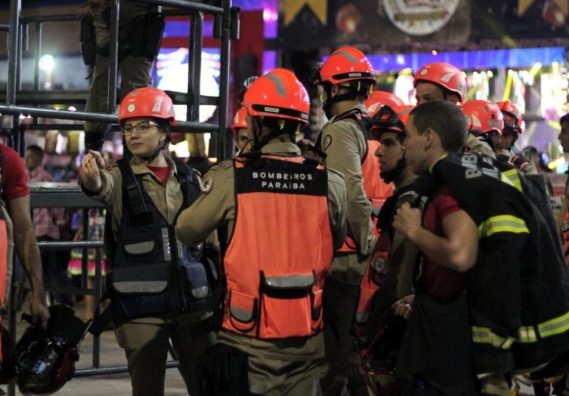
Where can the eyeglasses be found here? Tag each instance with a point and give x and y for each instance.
(142, 128)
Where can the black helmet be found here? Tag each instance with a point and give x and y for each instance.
(45, 358)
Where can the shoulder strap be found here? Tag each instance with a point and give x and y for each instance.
(311, 162)
(136, 203)
(357, 115)
(188, 179)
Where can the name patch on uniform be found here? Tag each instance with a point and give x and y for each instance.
(287, 179)
(474, 168)
(327, 142)
(282, 180)
(207, 185)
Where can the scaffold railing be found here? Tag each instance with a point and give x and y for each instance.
(225, 29)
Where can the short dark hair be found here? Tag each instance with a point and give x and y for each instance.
(36, 151)
(448, 95)
(564, 118)
(446, 119)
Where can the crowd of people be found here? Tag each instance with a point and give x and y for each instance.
(410, 250)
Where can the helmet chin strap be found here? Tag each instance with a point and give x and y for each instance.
(258, 140)
(330, 100)
(242, 150)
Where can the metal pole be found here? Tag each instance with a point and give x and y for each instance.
(15, 11)
(186, 5)
(37, 55)
(13, 58)
(51, 18)
(224, 78)
(113, 57)
(59, 114)
(114, 370)
(194, 66)
(96, 299)
(181, 126)
(19, 140)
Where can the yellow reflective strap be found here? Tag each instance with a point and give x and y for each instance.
(526, 334)
(551, 327)
(513, 177)
(505, 179)
(502, 223)
(554, 326)
(483, 335)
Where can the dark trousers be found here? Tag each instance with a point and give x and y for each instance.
(340, 366)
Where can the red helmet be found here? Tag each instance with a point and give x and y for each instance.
(240, 120)
(444, 75)
(147, 102)
(403, 113)
(513, 118)
(377, 99)
(346, 64)
(382, 108)
(277, 94)
(483, 116)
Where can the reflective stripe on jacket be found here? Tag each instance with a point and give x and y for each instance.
(148, 263)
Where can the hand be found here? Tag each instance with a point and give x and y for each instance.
(94, 7)
(404, 306)
(407, 219)
(39, 310)
(361, 340)
(309, 150)
(90, 170)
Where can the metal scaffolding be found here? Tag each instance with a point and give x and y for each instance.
(19, 102)
(225, 28)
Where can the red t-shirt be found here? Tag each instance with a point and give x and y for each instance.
(440, 282)
(161, 172)
(14, 175)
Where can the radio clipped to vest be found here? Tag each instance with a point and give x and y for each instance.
(200, 281)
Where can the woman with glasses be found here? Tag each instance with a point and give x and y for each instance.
(153, 296)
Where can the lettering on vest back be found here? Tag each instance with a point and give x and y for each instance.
(292, 179)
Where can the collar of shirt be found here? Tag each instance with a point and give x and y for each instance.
(139, 166)
(436, 162)
(277, 147)
(359, 106)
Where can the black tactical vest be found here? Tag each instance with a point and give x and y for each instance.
(152, 273)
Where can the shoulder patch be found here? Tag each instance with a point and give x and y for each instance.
(207, 185)
(327, 142)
